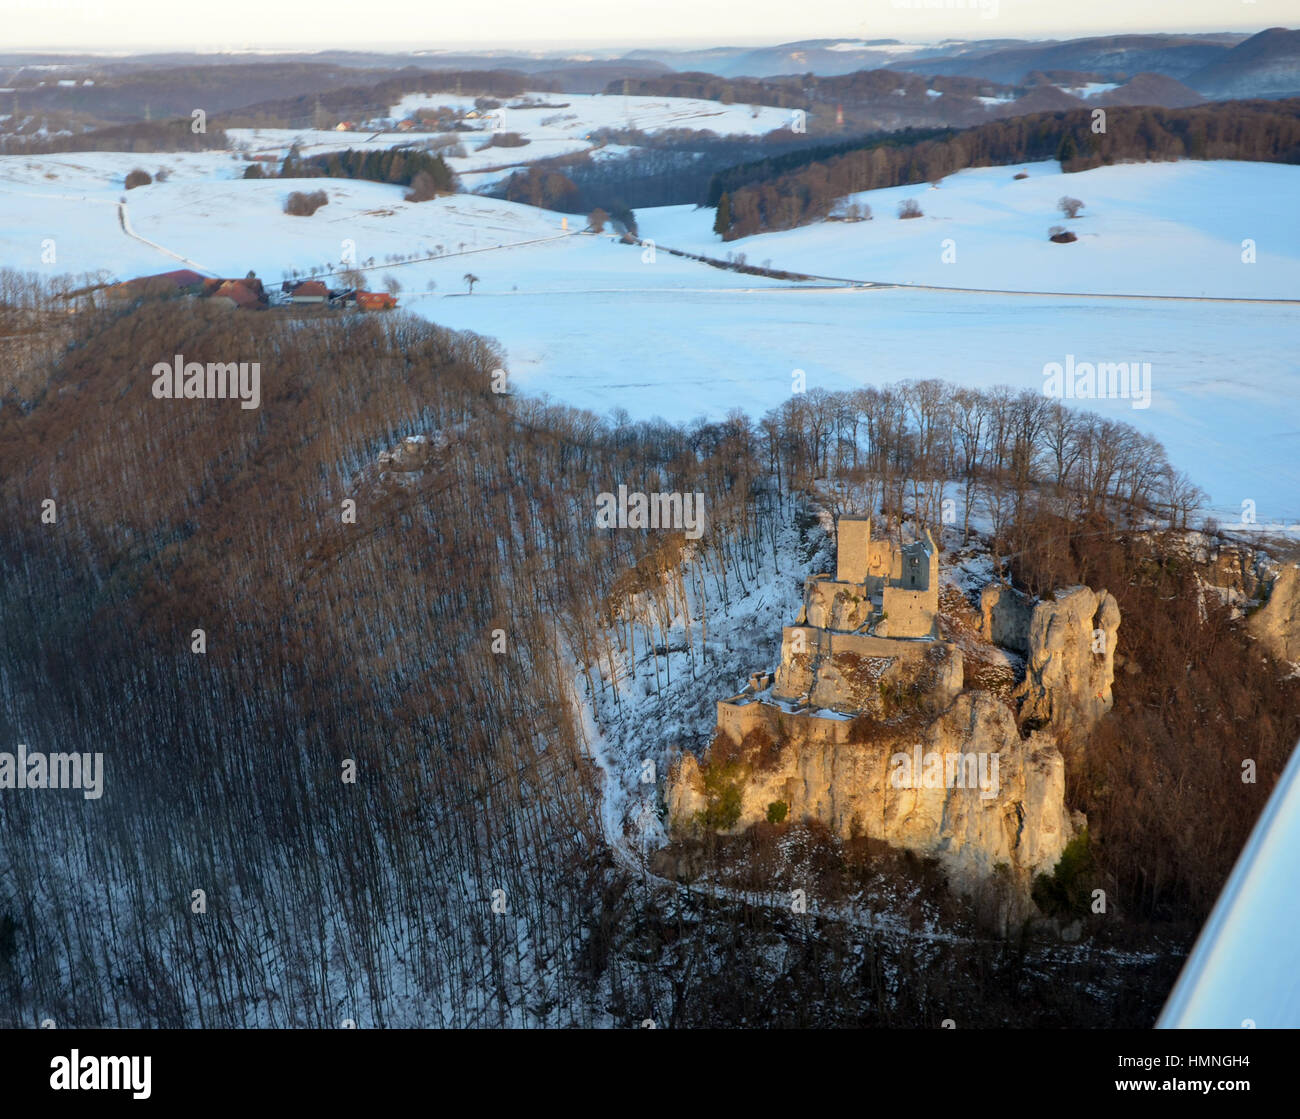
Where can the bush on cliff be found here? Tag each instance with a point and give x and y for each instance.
(1067, 891)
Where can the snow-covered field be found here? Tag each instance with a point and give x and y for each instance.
(227, 226)
(550, 130)
(1146, 229)
(587, 111)
(366, 219)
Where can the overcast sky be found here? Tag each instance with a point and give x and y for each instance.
(549, 24)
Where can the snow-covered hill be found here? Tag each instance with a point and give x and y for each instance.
(1145, 229)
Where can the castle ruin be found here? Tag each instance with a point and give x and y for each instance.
(868, 679)
(864, 642)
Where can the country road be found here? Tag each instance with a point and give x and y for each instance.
(125, 221)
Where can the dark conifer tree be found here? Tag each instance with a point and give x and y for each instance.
(722, 222)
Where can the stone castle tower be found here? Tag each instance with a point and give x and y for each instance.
(871, 630)
(899, 586)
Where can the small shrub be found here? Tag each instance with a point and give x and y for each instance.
(449, 146)
(1061, 235)
(506, 140)
(897, 698)
(777, 811)
(1070, 207)
(423, 188)
(909, 208)
(1067, 890)
(138, 178)
(724, 806)
(303, 205)
(854, 211)
(723, 751)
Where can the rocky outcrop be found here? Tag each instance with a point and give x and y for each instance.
(1005, 614)
(1276, 624)
(1070, 663)
(853, 672)
(964, 788)
(411, 454)
(834, 606)
(1235, 569)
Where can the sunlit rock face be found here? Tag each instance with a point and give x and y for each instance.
(1070, 661)
(964, 788)
(1276, 624)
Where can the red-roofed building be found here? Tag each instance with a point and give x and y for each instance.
(238, 293)
(375, 301)
(310, 291)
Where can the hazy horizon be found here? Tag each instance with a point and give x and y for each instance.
(150, 26)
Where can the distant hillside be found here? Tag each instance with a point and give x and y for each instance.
(1247, 130)
(175, 135)
(864, 101)
(359, 102)
(119, 98)
(1151, 89)
(814, 56)
(1116, 56)
(1265, 65)
(1040, 99)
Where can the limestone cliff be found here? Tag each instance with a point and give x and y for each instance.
(1276, 624)
(1005, 614)
(963, 788)
(1070, 661)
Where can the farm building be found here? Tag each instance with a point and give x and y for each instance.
(309, 291)
(375, 301)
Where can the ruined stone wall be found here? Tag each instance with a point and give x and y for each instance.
(737, 720)
(909, 613)
(844, 671)
(883, 564)
(853, 540)
(804, 649)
